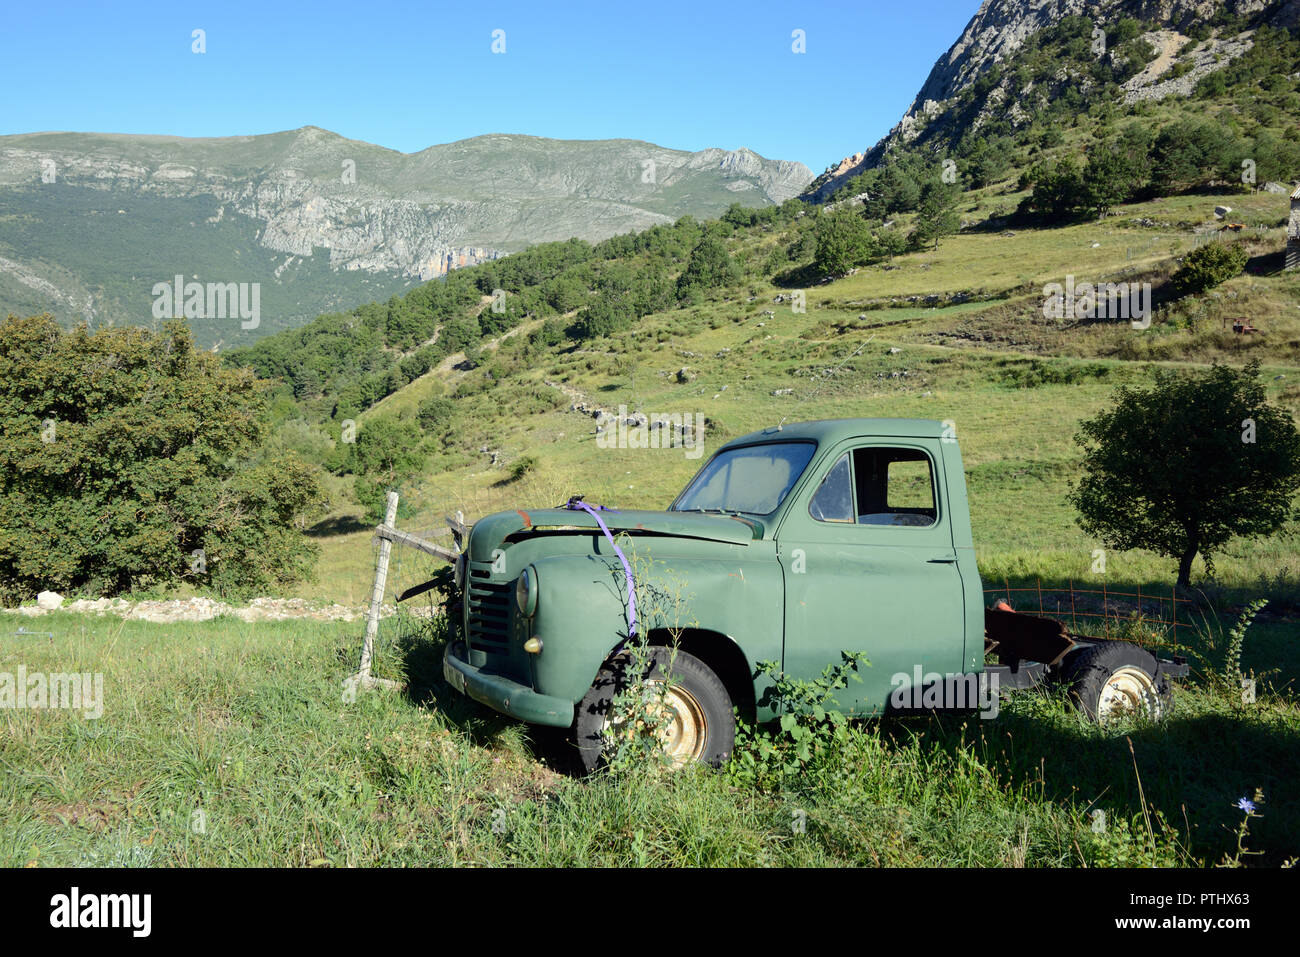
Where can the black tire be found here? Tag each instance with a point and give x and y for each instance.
(1089, 671)
(686, 674)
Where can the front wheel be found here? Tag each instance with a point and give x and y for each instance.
(1117, 679)
(696, 723)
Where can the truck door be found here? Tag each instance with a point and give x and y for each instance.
(869, 565)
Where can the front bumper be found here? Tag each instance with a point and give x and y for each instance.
(503, 694)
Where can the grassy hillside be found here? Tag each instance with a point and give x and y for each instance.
(1016, 385)
(954, 332)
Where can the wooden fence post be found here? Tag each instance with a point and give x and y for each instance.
(389, 535)
(363, 676)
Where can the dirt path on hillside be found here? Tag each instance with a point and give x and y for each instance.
(1168, 43)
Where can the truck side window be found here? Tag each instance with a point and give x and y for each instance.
(894, 487)
(834, 499)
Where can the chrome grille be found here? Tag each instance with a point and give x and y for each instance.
(488, 605)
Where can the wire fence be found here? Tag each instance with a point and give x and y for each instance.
(1146, 617)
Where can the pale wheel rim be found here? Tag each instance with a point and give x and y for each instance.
(1128, 692)
(684, 726)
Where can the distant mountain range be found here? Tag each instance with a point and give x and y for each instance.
(91, 223)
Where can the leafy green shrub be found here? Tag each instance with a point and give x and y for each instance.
(810, 724)
(385, 456)
(844, 241)
(436, 414)
(1210, 265)
(1036, 372)
(131, 460)
(521, 467)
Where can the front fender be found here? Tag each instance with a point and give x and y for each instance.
(735, 591)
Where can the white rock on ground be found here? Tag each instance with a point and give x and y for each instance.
(205, 609)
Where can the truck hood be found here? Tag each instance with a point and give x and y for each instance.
(490, 531)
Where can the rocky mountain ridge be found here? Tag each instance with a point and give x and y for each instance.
(1000, 27)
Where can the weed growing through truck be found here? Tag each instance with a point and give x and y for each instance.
(810, 724)
(638, 712)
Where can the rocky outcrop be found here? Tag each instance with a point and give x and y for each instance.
(1000, 27)
(1155, 83)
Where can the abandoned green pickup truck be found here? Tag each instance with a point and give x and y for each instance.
(792, 545)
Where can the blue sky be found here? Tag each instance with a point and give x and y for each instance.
(409, 75)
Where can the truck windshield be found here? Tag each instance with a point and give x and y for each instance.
(752, 480)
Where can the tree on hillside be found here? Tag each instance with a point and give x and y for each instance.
(710, 267)
(385, 455)
(844, 241)
(892, 188)
(1057, 189)
(1116, 172)
(130, 460)
(1187, 465)
(1191, 153)
(987, 163)
(1276, 158)
(460, 335)
(937, 216)
(608, 313)
(891, 241)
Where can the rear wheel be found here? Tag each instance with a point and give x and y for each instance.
(1116, 680)
(694, 713)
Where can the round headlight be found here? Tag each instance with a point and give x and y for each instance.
(526, 592)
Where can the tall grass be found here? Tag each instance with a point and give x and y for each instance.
(230, 744)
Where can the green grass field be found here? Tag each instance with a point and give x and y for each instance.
(230, 744)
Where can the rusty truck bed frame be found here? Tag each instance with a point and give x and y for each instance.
(1029, 648)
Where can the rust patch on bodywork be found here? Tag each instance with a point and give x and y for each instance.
(528, 522)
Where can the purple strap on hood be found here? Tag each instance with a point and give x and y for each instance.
(576, 503)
